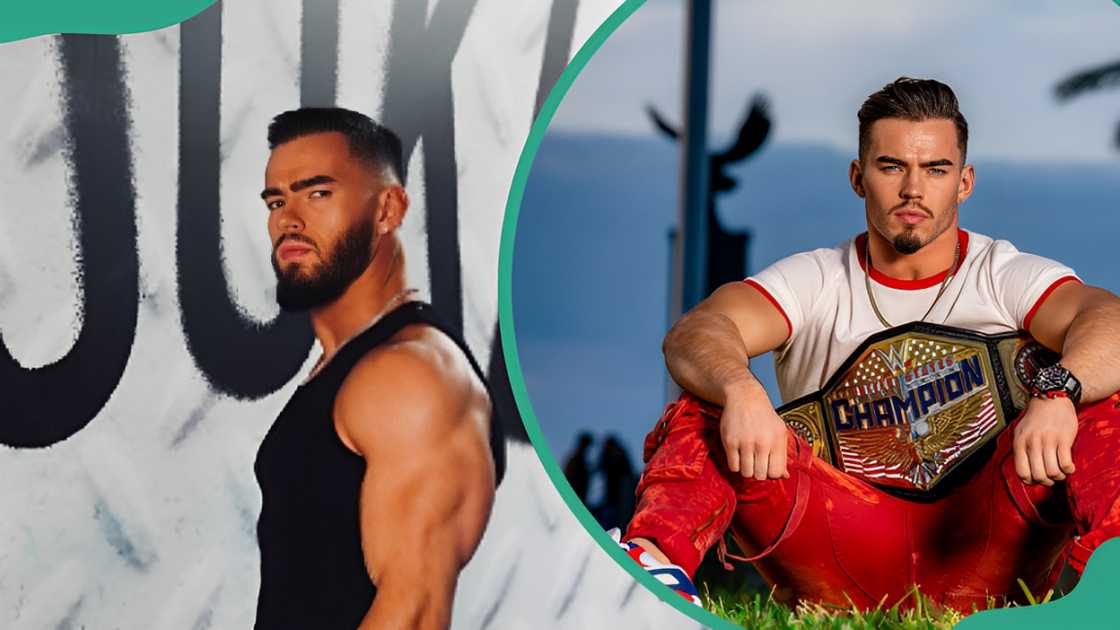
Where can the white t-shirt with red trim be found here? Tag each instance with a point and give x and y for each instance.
(823, 297)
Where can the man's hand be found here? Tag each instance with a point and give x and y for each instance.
(753, 435)
(1044, 439)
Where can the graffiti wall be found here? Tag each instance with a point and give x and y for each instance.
(143, 357)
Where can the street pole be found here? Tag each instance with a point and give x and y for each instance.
(690, 253)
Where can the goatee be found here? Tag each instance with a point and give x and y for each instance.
(907, 243)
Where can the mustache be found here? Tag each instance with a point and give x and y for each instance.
(911, 205)
(299, 238)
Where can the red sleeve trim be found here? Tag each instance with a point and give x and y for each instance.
(766, 294)
(1042, 298)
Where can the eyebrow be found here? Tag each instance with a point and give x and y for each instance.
(299, 185)
(886, 159)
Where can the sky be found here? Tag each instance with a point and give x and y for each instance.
(591, 260)
(816, 60)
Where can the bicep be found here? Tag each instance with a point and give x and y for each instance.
(424, 505)
(760, 322)
(421, 421)
(1052, 318)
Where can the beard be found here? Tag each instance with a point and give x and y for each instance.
(296, 291)
(907, 243)
(910, 240)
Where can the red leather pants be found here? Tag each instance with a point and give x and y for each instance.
(826, 536)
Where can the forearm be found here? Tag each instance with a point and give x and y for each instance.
(705, 355)
(1091, 349)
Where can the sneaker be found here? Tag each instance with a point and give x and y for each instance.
(670, 575)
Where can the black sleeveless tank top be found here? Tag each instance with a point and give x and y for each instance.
(313, 574)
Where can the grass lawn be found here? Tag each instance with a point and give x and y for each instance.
(913, 612)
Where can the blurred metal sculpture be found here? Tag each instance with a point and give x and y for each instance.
(727, 251)
(1100, 77)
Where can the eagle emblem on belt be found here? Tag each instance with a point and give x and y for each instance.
(914, 402)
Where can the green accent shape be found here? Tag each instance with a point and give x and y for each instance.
(97, 17)
(1085, 607)
(1088, 605)
(509, 342)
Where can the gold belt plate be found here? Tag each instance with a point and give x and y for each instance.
(914, 402)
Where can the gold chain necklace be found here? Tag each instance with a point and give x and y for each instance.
(871, 294)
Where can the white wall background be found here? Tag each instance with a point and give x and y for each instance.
(127, 524)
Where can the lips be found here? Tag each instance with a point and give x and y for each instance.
(290, 250)
(911, 217)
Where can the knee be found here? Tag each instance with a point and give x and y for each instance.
(1099, 422)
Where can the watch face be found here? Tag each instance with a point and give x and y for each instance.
(1031, 358)
(1051, 378)
(1056, 378)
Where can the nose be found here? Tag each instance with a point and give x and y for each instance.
(289, 219)
(911, 186)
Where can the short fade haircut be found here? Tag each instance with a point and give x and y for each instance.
(916, 100)
(370, 142)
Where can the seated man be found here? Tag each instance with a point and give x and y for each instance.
(1045, 492)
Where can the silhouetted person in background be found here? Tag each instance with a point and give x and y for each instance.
(619, 481)
(576, 468)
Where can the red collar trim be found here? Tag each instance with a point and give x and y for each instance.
(909, 285)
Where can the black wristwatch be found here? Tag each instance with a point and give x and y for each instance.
(1056, 382)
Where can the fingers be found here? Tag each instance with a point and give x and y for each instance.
(747, 455)
(769, 455)
(732, 456)
(1043, 442)
(1038, 468)
(762, 463)
(755, 446)
(760, 459)
(1022, 461)
(1050, 462)
(777, 468)
(1037, 461)
(1065, 457)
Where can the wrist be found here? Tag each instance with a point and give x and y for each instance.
(1055, 402)
(745, 389)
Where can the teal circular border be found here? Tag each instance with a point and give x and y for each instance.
(509, 337)
(1086, 606)
(1076, 608)
(108, 17)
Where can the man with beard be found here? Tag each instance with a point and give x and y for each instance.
(378, 476)
(721, 457)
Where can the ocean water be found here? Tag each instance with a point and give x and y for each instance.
(591, 259)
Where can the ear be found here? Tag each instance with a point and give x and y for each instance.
(855, 177)
(392, 205)
(968, 180)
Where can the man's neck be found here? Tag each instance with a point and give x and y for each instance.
(374, 292)
(934, 258)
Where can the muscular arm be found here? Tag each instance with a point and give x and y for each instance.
(421, 422)
(1083, 323)
(708, 350)
(708, 353)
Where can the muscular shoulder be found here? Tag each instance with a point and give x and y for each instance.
(419, 386)
(794, 284)
(824, 262)
(1003, 261)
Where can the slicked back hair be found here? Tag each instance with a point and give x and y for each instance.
(370, 142)
(916, 100)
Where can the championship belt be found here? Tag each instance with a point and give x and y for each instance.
(914, 402)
